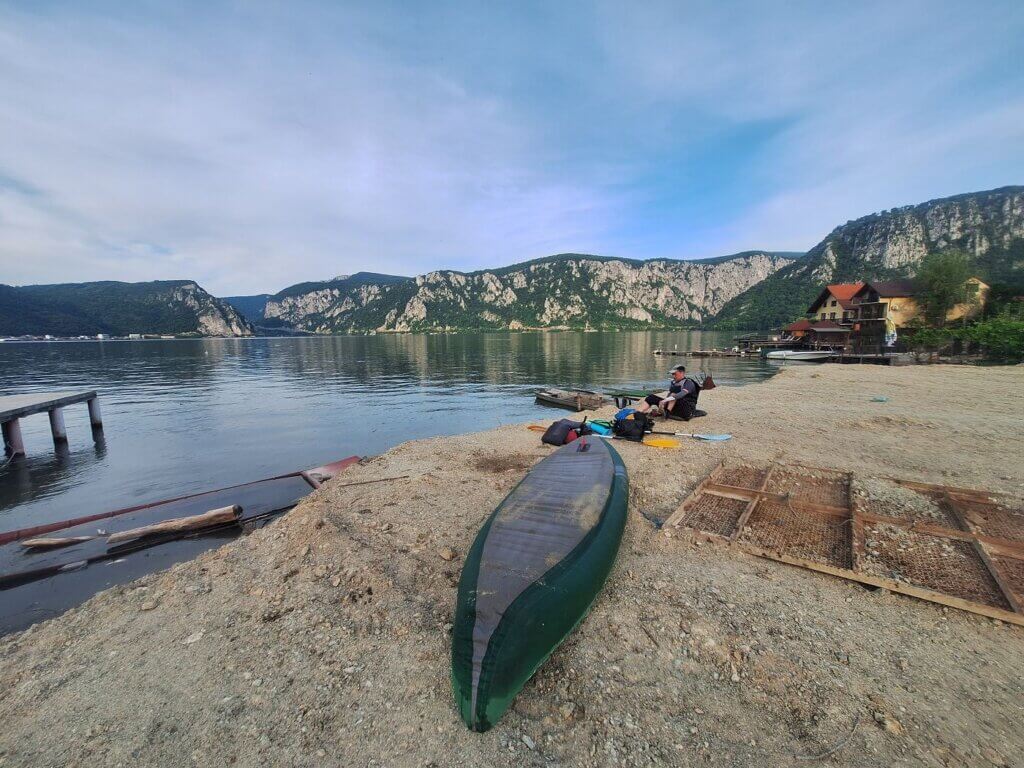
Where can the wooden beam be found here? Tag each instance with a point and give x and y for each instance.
(752, 505)
(891, 584)
(997, 573)
(181, 524)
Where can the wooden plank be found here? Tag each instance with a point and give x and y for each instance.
(53, 543)
(219, 516)
(14, 406)
(997, 573)
(891, 584)
(752, 505)
(985, 497)
(743, 495)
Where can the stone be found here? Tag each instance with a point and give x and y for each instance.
(447, 554)
(195, 637)
(530, 743)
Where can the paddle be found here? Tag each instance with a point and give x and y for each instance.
(711, 438)
(654, 442)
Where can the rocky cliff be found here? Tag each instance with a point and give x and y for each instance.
(564, 291)
(989, 226)
(73, 309)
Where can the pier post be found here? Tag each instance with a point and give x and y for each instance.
(57, 428)
(94, 413)
(13, 441)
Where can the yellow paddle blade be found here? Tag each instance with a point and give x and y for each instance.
(661, 442)
(536, 428)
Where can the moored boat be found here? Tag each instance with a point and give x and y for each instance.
(532, 573)
(38, 583)
(573, 399)
(805, 355)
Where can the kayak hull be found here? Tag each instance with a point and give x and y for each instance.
(532, 574)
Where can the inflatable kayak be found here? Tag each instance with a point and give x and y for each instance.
(532, 573)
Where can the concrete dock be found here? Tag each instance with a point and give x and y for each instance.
(14, 407)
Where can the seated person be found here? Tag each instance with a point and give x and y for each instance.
(679, 401)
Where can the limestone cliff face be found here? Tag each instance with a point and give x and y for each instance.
(989, 226)
(567, 291)
(214, 317)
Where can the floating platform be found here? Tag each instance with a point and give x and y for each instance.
(722, 353)
(14, 407)
(37, 584)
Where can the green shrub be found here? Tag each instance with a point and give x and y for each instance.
(1000, 338)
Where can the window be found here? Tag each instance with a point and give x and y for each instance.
(831, 315)
(833, 303)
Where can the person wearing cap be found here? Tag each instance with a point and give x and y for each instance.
(680, 400)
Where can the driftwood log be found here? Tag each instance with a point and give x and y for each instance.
(53, 543)
(221, 516)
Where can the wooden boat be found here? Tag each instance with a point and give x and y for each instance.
(40, 583)
(574, 400)
(805, 355)
(532, 573)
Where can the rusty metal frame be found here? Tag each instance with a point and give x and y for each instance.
(989, 549)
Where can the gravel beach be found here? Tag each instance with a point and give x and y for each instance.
(323, 639)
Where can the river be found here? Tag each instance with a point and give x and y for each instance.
(183, 416)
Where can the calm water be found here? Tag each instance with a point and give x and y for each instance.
(186, 416)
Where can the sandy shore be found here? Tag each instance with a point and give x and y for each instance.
(323, 639)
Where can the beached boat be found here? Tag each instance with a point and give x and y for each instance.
(804, 355)
(574, 399)
(532, 573)
(40, 582)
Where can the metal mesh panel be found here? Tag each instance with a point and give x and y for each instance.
(715, 514)
(889, 499)
(1013, 570)
(996, 521)
(781, 529)
(740, 476)
(943, 565)
(831, 489)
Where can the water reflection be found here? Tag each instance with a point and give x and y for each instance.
(183, 416)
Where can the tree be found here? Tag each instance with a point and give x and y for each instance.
(1000, 338)
(942, 278)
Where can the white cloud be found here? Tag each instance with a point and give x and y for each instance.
(251, 146)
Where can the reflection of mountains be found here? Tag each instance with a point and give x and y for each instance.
(495, 359)
(116, 364)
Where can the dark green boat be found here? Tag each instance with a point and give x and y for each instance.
(532, 573)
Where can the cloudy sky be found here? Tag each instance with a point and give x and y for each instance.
(251, 145)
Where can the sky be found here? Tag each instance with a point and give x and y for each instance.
(251, 145)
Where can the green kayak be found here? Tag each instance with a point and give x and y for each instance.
(532, 573)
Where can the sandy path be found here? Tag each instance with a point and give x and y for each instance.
(323, 639)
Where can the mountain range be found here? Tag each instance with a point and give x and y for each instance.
(749, 290)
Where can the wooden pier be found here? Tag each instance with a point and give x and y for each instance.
(14, 407)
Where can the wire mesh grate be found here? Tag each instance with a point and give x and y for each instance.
(778, 527)
(740, 476)
(995, 520)
(944, 565)
(809, 486)
(715, 514)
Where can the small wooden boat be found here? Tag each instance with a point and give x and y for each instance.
(531, 575)
(574, 400)
(38, 582)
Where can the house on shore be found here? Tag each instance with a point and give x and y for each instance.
(835, 303)
(886, 307)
